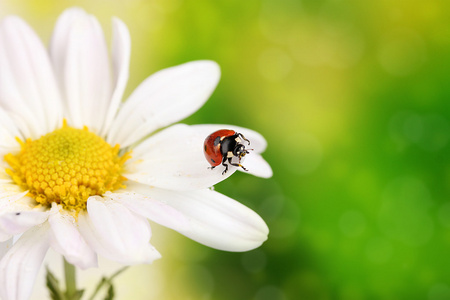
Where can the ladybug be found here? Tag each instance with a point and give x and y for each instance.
(222, 146)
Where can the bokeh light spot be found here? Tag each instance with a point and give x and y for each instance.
(270, 292)
(287, 222)
(197, 278)
(351, 291)
(276, 21)
(429, 132)
(378, 250)
(274, 64)
(402, 52)
(444, 214)
(254, 261)
(413, 127)
(439, 291)
(352, 223)
(404, 213)
(436, 133)
(272, 206)
(337, 46)
(305, 155)
(399, 130)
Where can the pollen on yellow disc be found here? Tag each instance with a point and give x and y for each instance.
(67, 166)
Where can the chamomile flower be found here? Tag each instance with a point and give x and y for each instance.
(82, 171)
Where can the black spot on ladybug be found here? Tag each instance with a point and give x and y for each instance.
(213, 160)
(205, 147)
(217, 141)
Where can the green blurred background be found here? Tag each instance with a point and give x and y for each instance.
(353, 98)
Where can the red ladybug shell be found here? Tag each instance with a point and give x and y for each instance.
(212, 146)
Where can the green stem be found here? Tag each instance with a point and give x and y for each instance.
(105, 281)
(71, 283)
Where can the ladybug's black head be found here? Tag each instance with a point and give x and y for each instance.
(240, 151)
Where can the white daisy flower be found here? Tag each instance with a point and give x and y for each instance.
(65, 182)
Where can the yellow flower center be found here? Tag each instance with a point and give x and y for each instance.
(67, 166)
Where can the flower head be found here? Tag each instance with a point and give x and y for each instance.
(82, 172)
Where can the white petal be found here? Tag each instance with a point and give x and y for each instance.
(11, 203)
(19, 266)
(67, 240)
(8, 133)
(121, 49)
(5, 246)
(256, 165)
(22, 123)
(116, 233)
(215, 220)
(173, 159)
(80, 56)
(13, 223)
(152, 209)
(257, 142)
(9, 196)
(60, 37)
(28, 86)
(4, 237)
(164, 98)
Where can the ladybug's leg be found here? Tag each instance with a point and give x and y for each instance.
(243, 137)
(238, 165)
(226, 169)
(224, 160)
